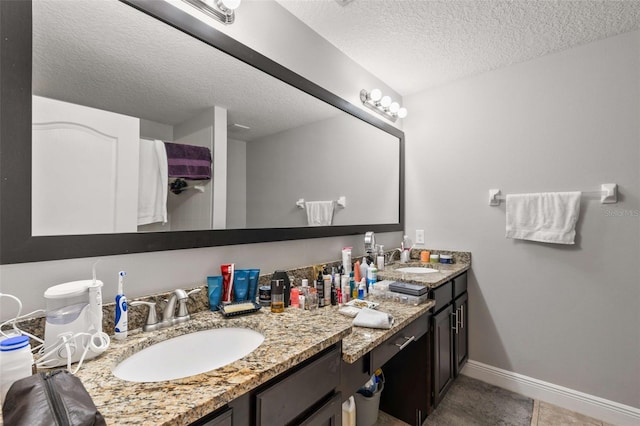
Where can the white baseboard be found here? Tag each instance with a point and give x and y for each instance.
(589, 405)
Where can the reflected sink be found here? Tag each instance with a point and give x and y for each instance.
(416, 270)
(188, 355)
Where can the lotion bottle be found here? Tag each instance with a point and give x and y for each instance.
(364, 268)
(372, 276)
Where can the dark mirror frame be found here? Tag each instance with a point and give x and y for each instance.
(16, 243)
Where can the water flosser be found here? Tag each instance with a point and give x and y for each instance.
(95, 302)
(121, 309)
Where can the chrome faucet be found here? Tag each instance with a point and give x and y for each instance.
(169, 313)
(392, 252)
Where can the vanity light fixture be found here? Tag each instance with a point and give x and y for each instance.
(221, 10)
(382, 104)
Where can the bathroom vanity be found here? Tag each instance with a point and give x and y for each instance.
(308, 364)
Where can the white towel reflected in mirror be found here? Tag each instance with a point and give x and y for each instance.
(319, 213)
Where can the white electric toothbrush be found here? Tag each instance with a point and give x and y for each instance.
(121, 309)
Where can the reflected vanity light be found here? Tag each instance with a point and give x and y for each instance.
(221, 10)
(383, 105)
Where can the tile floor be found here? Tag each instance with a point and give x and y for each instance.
(544, 414)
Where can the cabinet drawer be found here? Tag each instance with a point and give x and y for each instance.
(225, 418)
(443, 295)
(392, 346)
(306, 387)
(459, 285)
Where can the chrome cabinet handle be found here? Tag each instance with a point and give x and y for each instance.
(455, 321)
(404, 345)
(461, 316)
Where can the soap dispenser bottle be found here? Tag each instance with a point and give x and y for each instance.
(380, 258)
(406, 250)
(284, 276)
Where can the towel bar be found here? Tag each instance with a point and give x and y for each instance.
(179, 185)
(341, 202)
(608, 194)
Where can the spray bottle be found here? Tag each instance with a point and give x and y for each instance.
(121, 309)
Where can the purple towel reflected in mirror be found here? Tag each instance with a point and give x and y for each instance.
(188, 161)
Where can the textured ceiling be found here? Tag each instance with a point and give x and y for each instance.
(413, 45)
(107, 55)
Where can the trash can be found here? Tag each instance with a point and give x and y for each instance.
(367, 406)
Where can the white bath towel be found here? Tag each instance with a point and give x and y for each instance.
(152, 182)
(548, 217)
(373, 319)
(319, 213)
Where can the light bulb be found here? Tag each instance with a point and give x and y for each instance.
(385, 101)
(394, 107)
(402, 112)
(375, 95)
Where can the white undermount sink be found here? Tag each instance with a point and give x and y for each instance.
(416, 270)
(188, 355)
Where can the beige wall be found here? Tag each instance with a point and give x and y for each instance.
(568, 121)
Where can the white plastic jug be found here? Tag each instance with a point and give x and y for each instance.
(16, 362)
(349, 412)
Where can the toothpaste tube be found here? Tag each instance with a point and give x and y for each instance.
(227, 271)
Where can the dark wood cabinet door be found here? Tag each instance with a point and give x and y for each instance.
(329, 414)
(407, 389)
(461, 340)
(443, 361)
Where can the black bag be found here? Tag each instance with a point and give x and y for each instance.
(51, 398)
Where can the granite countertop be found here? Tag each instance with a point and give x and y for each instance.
(290, 338)
(362, 340)
(432, 280)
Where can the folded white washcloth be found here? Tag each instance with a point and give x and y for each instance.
(548, 217)
(319, 213)
(152, 182)
(373, 319)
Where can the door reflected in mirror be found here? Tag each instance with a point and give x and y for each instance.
(106, 76)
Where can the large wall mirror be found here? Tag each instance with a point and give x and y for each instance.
(104, 80)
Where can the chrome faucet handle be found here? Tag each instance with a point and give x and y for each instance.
(183, 312)
(195, 290)
(152, 323)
